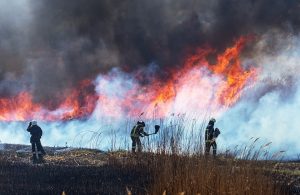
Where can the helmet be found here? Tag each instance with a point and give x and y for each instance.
(33, 122)
(142, 123)
(212, 120)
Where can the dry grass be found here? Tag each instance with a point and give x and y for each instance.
(178, 166)
(145, 173)
(197, 175)
(173, 163)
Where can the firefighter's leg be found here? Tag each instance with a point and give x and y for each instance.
(34, 152)
(40, 147)
(32, 147)
(139, 144)
(207, 147)
(214, 146)
(40, 151)
(133, 144)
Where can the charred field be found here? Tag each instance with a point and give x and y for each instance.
(88, 171)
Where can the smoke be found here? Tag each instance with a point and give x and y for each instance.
(268, 110)
(49, 47)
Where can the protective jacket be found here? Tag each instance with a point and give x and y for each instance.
(137, 131)
(209, 132)
(35, 132)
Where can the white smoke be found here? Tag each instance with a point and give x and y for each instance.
(270, 109)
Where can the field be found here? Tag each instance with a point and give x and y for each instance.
(86, 171)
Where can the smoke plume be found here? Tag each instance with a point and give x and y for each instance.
(50, 46)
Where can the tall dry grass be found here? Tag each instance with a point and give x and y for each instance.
(174, 163)
(177, 164)
(199, 175)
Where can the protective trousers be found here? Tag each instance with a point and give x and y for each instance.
(209, 144)
(136, 141)
(37, 150)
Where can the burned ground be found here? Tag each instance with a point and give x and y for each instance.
(73, 172)
(85, 171)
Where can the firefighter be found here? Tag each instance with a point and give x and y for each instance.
(137, 132)
(210, 137)
(35, 140)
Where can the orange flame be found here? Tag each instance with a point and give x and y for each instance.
(21, 107)
(228, 67)
(195, 86)
(18, 108)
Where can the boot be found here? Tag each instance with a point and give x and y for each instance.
(34, 159)
(41, 159)
(214, 153)
(133, 150)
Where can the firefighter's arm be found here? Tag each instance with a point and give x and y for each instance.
(140, 132)
(29, 126)
(143, 133)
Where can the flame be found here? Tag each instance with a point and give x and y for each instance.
(229, 65)
(196, 86)
(78, 104)
(18, 108)
(191, 86)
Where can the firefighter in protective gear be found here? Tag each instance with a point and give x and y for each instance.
(137, 132)
(210, 137)
(35, 140)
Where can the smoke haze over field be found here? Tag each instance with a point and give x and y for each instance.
(48, 48)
